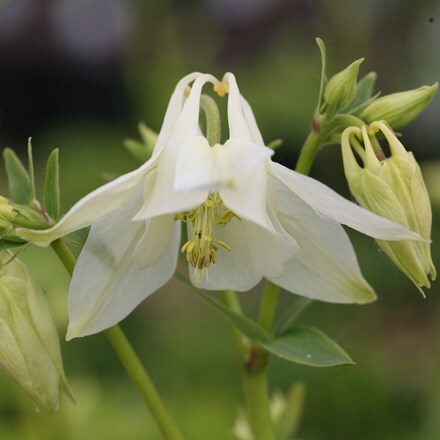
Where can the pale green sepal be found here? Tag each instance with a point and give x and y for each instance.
(19, 181)
(398, 109)
(341, 88)
(137, 150)
(51, 194)
(364, 91)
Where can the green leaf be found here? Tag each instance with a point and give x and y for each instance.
(245, 325)
(31, 167)
(51, 193)
(290, 314)
(10, 244)
(307, 346)
(19, 182)
(364, 92)
(77, 238)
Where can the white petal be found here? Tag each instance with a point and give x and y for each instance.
(246, 177)
(326, 267)
(251, 122)
(173, 110)
(164, 199)
(234, 269)
(107, 284)
(92, 207)
(255, 252)
(158, 235)
(238, 126)
(331, 205)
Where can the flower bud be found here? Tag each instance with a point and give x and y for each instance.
(393, 188)
(398, 109)
(341, 88)
(7, 216)
(29, 346)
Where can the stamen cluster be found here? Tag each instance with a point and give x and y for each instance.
(201, 249)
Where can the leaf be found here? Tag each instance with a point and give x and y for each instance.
(19, 182)
(31, 167)
(245, 325)
(51, 193)
(77, 238)
(364, 91)
(307, 346)
(290, 314)
(10, 244)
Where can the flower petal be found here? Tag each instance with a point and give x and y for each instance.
(326, 267)
(238, 126)
(251, 122)
(158, 235)
(245, 175)
(331, 205)
(255, 252)
(107, 284)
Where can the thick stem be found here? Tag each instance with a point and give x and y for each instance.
(310, 149)
(257, 395)
(130, 361)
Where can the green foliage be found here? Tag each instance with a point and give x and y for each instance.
(51, 192)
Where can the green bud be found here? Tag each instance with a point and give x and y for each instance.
(341, 88)
(398, 109)
(7, 216)
(29, 346)
(392, 188)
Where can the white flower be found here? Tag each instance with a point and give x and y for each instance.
(247, 218)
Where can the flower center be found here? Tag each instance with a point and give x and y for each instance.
(201, 248)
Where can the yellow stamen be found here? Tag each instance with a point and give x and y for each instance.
(221, 88)
(201, 249)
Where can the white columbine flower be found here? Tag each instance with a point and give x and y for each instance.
(247, 218)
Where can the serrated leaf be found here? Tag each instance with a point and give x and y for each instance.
(364, 91)
(19, 182)
(51, 192)
(307, 346)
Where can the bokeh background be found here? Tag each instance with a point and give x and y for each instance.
(81, 74)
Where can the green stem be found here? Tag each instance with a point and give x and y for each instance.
(310, 149)
(268, 305)
(257, 395)
(142, 381)
(130, 361)
(213, 124)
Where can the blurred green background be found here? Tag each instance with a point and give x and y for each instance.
(80, 75)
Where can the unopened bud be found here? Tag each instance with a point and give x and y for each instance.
(392, 188)
(29, 346)
(341, 88)
(398, 109)
(7, 216)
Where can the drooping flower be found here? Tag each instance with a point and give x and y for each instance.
(392, 187)
(247, 218)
